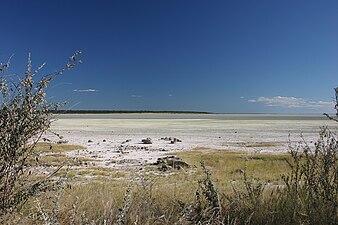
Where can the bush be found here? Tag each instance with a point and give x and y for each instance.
(312, 185)
(24, 116)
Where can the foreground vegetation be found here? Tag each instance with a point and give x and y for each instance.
(228, 188)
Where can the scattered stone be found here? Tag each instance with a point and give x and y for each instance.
(126, 141)
(147, 141)
(104, 140)
(123, 161)
(62, 142)
(90, 141)
(172, 140)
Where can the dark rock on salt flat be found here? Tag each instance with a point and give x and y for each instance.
(147, 141)
(62, 142)
(171, 162)
(172, 140)
(126, 141)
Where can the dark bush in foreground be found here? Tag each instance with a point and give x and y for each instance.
(24, 117)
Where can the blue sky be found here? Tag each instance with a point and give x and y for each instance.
(219, 56)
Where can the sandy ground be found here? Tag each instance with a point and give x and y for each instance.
(117, 141)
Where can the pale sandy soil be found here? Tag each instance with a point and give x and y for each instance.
(108, 135)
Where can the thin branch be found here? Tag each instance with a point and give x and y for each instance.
(330, 117)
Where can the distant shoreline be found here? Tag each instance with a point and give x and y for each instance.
(85, 111)
(123, 112)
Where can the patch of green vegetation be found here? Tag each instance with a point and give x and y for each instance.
(261, 144)
(44, 147)
(200, 149)
(94, 172)
(58, 159)
(100, 171)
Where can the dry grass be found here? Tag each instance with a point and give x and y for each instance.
(167, 188)
(227, 167)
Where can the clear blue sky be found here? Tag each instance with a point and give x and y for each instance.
(219, 56)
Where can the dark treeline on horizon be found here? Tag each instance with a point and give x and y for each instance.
(123, 111)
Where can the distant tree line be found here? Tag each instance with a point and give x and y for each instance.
(123, 111)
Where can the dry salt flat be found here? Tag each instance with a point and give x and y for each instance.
(115, 140)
